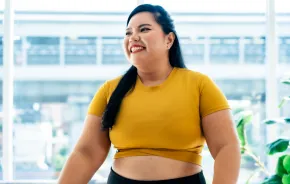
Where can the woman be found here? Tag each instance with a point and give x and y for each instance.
(158, 115)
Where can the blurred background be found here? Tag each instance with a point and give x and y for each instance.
(65, 49)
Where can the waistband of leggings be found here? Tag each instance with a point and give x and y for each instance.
(196, 176)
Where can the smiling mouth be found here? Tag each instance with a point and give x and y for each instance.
(136, 49)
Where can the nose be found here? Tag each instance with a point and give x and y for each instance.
(134, 38)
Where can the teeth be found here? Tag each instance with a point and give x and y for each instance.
(136, 48)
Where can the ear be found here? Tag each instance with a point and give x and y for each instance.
(170, 39)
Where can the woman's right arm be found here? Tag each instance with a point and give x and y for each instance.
(88, 155)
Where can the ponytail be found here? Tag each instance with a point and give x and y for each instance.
(127, 82)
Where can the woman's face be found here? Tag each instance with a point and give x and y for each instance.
(145, 43)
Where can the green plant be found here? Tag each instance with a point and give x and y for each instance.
(58, 162)
(60, 158)
(281, 145)
(64, 151)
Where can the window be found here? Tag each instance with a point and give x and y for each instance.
(113, 52)
(283, 11)
(224, 50)
(80, 6)
(48, 121)
(224, 6)
(1, 50)
(284, 50)
(255, 50)
(43, 50)
(1, 89)
(1, 128)
(2, 4)
(18, 52)
(225, 38)
(284, 91)
(281, 6)
(80, 50)
(192, 50)
(241, 89)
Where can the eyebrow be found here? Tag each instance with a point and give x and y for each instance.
(140, 26)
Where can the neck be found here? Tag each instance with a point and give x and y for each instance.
(155, 75)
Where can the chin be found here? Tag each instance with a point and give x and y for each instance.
(138, 63)
(137, 60)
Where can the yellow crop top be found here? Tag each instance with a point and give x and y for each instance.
(163, 120)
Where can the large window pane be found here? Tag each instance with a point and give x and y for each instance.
(255, 50)
(193, 50)
(48, 121)
(282, 6)
(242, 89)
(282, 10)
(224, 50)
(1, 50)
(18, 52)
(78, 5)
(284, 50)
(223, 6)
(284, 90)
(43, 50)
(1, 128)
(113, 51)
(225, 39)
(80, 50)
(2, 5)
(1, 89)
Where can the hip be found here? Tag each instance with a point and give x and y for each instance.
(115, 178)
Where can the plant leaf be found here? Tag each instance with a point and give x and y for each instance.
(284, 100)
(275, 179)
(242, 136)
(270, 121)
(245, 117)
(280, 170)
(286, 179)
(286, 81)
(278, 120)
(287, 120)
(277, 146)
(286, 163)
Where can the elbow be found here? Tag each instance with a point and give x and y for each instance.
(232, 148)
(94, 156)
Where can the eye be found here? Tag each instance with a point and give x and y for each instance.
(144, 29)
(128, 33)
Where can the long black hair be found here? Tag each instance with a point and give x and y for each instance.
(128, 80)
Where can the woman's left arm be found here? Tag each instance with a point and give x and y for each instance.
(223, 144)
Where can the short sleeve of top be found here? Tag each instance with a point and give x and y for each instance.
(99, 101)
(212, 98)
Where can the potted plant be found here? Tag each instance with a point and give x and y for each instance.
(279, 146)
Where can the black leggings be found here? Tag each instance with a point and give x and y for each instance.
(115, 178)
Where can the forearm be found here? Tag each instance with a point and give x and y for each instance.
(227, 165)
(78, 169)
